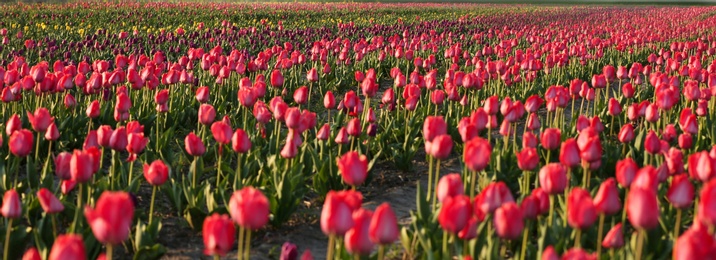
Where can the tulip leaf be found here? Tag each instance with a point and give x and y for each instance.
(150, 252)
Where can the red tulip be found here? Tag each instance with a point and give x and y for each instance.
(222, 132)
(162, 97)
(123, 102)
(551, 138)
(701, 166)
(31, 254)
(530, 207)
(652, 143)
(614, 238)
(336, 215)
(694, 244)
(533, 122)
(527, 159)
(81, 166)
(357, 239)
(642, 208)
(52, 133)
(202, 94)
(324, 133)
(301, 95)
(329, 101)
(353, 128)
(433, 127)
(312, 75)
(249, 208)
(707, 208)
(553, 178)
(626, 171)
(111, 219)
(449, 185)
(578, 254)
(50, 204)
(207, 113)
(508, 221)
(119, 140)
(529, 140)
(93, 109)
(68, 246)
(21, 142)
(11, 205)
(104, 133)
(477, 154)
(440, 147)
(542, 199)
(492, 197)
(62, 165)
(69, 101)
(353, 168)
(240, 141)
(470, 230)
(218, 232)
(156, 173)
(681, 192)
(277, 79)
(686, 141)
(384, 225)
(193, 145)
(581, 212)
(40, 120)
(550, 254)
(136, 143)
(455, 213)
(569, 154)
(626, 134)
(13, 124)
(607, 198)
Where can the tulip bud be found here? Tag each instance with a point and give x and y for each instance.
(553, 178)
(11, 205)
(218, 232)
(249, 208)
(50, 204)
(156, 173)
(581, 212)
(353, 167)
(455, 213)
(384, 225)
(607, 198)
(508, 221)
(68, 246)
(642, 208)
(193, 145)
(111, 219)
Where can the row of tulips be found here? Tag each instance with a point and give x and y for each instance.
(140, 106)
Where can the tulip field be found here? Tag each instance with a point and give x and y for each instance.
(357, 131)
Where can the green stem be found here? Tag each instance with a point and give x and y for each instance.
(578, 239)
(524, 241)
(151, 204)
(445, 246)
(331, 247)
(240, 252)
(381, 252)
(639, 244)
(193, 174)
(430, 177)
(108, 255)
(237, 177)
(437, 176)
(218, 170)
(54, 225)
(7, 239)
(247, 246)
(75, 222)
(599, 235)
(677, 224)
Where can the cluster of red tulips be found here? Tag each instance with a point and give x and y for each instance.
(583, 132)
